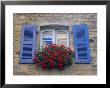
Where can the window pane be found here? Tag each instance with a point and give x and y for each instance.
(46, 37)
(62, 37)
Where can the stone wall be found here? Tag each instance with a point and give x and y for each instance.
(68, 19)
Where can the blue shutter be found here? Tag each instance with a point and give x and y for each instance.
(81, 43)
(27, 43)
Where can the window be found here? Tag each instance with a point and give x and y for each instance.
(54, 36)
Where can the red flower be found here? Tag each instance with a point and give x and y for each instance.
(60, 65)
(46, 57)
(50, 60)
(56, 54)
(43, 62)
(65, 53)
(54, 51)
(49, 52)
(62, 45)
(59, 58)
(35, 59)
(52, 57)
(54, 44)
(43, 53)
(60, 51)
(52, 64)
(46, 48)
(68, 49)
(44, 66)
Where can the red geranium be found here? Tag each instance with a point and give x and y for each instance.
(60, 66)
(44, 66)
(53, 57)
(52, 64)
(60, 52)
(60, 58)
(35, 59)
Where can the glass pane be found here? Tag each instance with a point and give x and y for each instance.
(61, 37)
(46, 38)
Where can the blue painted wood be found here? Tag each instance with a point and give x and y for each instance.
(27, 43)
(81, 43)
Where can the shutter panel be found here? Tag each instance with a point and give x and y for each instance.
(81, 43)
(27, 43)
